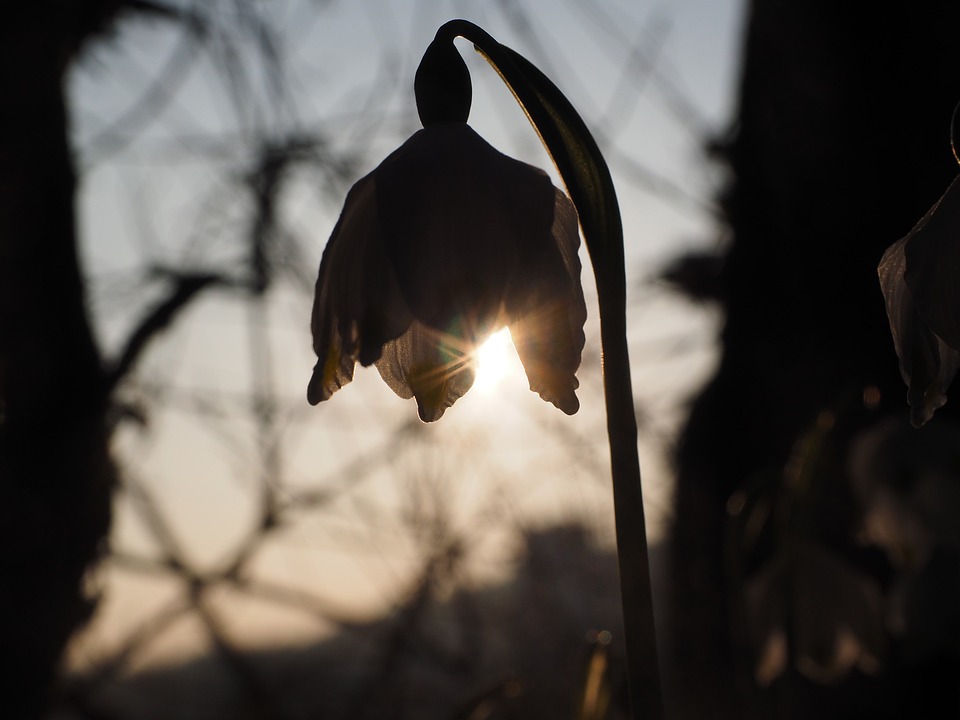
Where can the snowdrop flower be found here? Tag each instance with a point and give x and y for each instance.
(830, 613)
(918, 279)
(446, 241)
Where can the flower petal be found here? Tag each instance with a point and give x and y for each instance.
(436, 368)
(927, 364)
(932, 262)
(547, 310)
(443, 242)
(357, 303)
(457, 214)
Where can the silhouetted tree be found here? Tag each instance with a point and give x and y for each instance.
(55, 471)
(840, 145)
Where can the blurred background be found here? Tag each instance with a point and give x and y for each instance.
(245, 555)
(216, 144)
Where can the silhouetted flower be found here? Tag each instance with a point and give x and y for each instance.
(442, 244)
(918, 277)
(809, 608)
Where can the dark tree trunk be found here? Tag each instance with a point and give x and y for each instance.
(55, 471)
(841, 144)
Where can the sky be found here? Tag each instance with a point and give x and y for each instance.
(167, 131)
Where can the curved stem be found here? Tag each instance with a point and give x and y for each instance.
(585, 173)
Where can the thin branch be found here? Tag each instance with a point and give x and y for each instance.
(160, 93)
(186, 287)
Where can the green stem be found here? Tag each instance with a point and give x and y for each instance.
(585, 173)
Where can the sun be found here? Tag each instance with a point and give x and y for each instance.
(496, 358)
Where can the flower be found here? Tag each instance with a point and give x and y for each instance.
(917, 276)
(446, 241)
(808, 607)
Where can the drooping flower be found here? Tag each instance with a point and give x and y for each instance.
(809, 608)
(446, 241)
(918, 278)
(421, 204)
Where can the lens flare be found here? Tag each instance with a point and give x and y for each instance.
(496, 358)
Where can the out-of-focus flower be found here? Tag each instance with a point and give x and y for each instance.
(918, 276)
(446, 241)
(907, 485)
(810, 608)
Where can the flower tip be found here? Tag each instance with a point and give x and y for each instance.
(315, 390)
(555, 389)
(919, 417)
(436, 392)
(328, 377)
(429, 413)
(922, 411)
(319, 389)
(570, 405)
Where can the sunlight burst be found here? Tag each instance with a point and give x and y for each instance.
(496, 358)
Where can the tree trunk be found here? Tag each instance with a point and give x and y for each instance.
(55, 471)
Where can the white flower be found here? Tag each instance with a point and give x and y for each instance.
(446, 241)
(918, 278)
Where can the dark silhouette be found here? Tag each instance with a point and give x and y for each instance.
(56, 476)
(840, 145)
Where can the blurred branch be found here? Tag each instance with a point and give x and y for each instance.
(160, 93)
(249, 683)
(385, 685)
(157, 9)
(186, 286)
(358, 468)
(147, 631)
